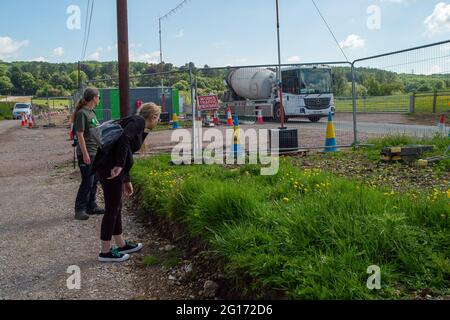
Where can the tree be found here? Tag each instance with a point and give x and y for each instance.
(5, 85)
(182, 85)
(340, 83)
(372, 85)
(27, 83)
(44, 90)
(15, 74)
(3, 70)
(62, 80)
(74, 78)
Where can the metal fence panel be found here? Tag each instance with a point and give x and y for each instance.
(393, 90)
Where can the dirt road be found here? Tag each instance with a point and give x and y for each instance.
(39, 239)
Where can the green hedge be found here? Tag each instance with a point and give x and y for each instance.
(305, 233)
(6, 110)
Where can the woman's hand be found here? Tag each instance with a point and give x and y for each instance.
(86, 159)
(115, 172)
(128, 189)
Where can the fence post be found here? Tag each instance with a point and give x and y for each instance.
(434, 101)
(365, 104)
(355, 128)
(194, 131)
(412, 102)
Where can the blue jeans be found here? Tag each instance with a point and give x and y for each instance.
(86, 197)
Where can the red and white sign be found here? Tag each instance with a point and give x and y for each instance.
(208, 103)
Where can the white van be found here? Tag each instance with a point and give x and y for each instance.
(20, 108)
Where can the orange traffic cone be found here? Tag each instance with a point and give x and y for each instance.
(23, 120)
(260, 117)
(26, 119)
(216, 118)
(30, 125)
(229, 118)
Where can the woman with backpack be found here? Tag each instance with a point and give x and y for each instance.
(112, 167)
(83, 119)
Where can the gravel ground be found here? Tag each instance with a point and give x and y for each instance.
(39, 239)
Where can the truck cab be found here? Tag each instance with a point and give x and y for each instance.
(307, 92)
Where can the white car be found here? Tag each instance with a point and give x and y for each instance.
(20, 108)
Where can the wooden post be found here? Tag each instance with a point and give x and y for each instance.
(123, 54)
(412, 103)
(434, 101)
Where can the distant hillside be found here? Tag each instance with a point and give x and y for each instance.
(42, 79)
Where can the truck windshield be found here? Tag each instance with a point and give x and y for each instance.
(307, 81)
(314, 81)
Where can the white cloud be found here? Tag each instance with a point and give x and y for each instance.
(294, 59)
(179, 35)
(439, 20)
(134, 45)
(150, 57)
(9, 47)
(353, 41)
(39, 59)
(94, 56)
(58, 52)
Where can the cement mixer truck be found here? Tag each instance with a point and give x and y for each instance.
(307, 92)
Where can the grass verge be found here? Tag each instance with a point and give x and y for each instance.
(305, 233)
(6, 110)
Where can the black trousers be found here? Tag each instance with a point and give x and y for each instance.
(113, 193)
(87, 192)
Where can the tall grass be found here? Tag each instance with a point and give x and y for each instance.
(305, 234)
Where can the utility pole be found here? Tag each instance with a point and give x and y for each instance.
(163, 98)
(160, 42)
(280, 84)
(123, 55)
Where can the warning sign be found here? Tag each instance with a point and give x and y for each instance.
(208, 103)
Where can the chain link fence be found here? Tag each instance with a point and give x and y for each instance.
(370, 97)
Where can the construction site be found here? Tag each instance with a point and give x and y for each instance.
(288, 180)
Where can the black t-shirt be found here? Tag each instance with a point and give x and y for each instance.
(121, 154)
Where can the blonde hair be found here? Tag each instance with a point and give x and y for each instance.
(149, 110)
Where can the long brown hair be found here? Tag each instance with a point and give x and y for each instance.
(88, 95)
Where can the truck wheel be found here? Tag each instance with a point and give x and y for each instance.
(314, 118)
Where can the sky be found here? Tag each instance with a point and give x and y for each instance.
(219, 32)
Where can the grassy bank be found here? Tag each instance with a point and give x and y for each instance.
(305, 233)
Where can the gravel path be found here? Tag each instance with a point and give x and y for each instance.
(39, 239)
